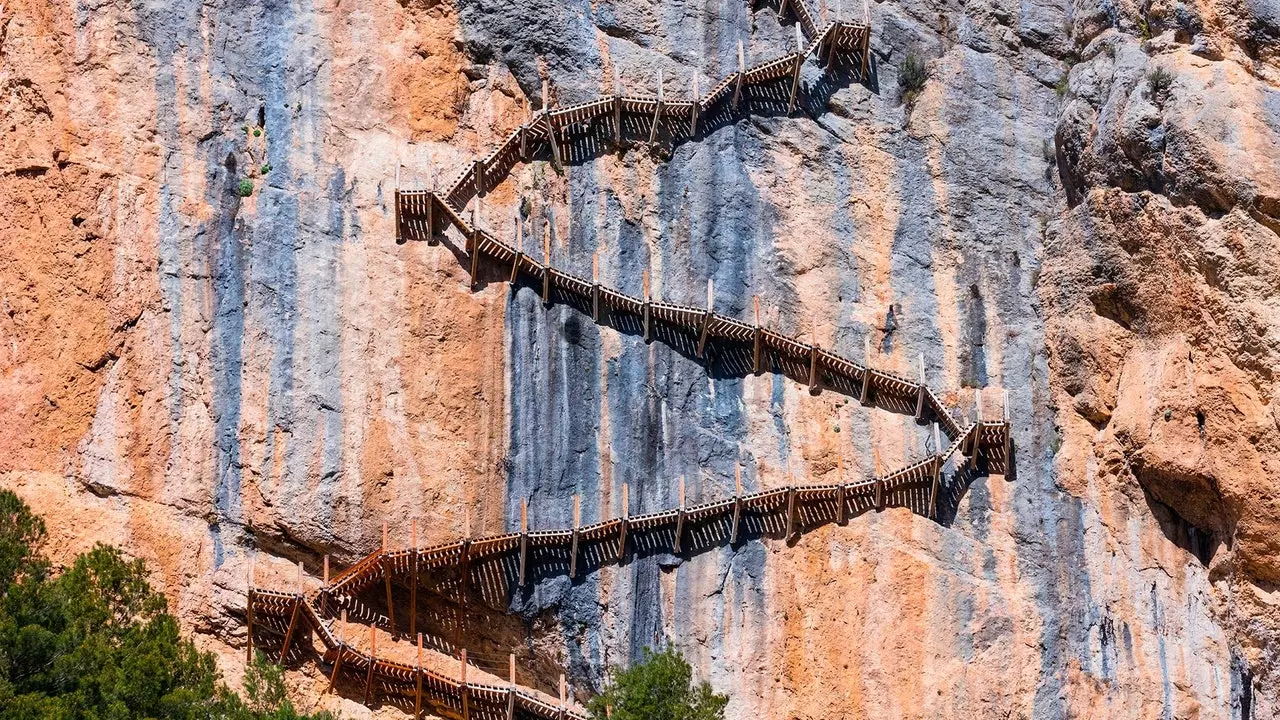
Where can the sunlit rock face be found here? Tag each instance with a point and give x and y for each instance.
(203, 377)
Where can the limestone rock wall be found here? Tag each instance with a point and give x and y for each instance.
(202, 377)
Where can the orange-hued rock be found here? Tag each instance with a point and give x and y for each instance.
(213, 376)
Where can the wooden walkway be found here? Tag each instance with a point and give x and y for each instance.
(494, 569)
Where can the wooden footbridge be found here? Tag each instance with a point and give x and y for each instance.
(496, 569)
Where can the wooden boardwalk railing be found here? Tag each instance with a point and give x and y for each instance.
(495, 567)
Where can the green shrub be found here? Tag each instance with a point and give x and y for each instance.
(1159, 81)
(257, 132)
(912, 77)
(266, 168)
(658, 687)
(244, 188)
(98, 642)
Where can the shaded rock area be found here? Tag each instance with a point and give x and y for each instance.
(1081, 205)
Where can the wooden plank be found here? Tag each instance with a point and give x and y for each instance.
(479, 171)
(782, 10)
(563, 696)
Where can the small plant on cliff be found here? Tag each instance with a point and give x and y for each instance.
(97, 642)
(244, 188)
(1159, 81)
(912, 77)
(658, 687)
(266, 169)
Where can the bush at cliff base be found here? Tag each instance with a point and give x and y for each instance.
(96, 642)
(658, 687)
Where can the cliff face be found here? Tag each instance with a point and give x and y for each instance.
(201, 377)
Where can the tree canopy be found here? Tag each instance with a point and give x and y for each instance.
(658, 687)
(96, 642)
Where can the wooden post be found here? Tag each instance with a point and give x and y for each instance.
(462, 687)
(524, 132)
(622, 526)
(920, 390)
(791, 508)
(595, 287)
(511, 690)
(524, 536)
(679, 519)
(706, 319)
(737, 504)
(417, 676)
(657, 112)
(546, 257)
(293, 617)
(648, 310)
(515, 262)
(866, 370)
(782, 9)
(386, 576)
(573, 543)
(431, 218)
(866, 38)
(475, 245)
(880, 489)
(757, 338)
(551, 124)
(479, 179)
(563, 696)
(617, 107)
(413, 584)
(742, 73)
(937, 473)
(248, 615)
(977, 403)
(815, 372)
(840, 509)
(1008, 436)
(977, 435)
(337, 661)
(373, 660)
(324, 588)
(693, 110)
(399, 236)
(795, 71)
